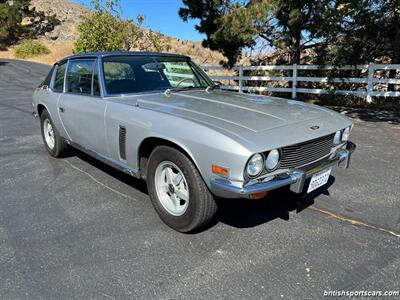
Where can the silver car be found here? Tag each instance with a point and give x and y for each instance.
(159, 117)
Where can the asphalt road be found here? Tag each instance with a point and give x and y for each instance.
(74, 228)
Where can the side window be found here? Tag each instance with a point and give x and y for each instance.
(79, 76)
(58, 85)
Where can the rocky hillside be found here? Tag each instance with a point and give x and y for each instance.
(61, 40)
(69, 14)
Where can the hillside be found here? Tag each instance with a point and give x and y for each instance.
(60, 41)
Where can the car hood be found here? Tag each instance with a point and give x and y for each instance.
(247, 115)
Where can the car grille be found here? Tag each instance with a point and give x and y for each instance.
(304, 153)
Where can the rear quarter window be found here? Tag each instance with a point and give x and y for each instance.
(47, 80)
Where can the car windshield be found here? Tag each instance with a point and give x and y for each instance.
(135, 74)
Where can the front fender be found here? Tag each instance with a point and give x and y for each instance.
(207, 147)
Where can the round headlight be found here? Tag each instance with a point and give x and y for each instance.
(337, 137)
(272, 160)
(346, 134)
(255, 165)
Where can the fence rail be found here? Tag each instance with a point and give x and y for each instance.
(370, 90)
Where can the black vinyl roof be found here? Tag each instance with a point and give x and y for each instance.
(122, 53)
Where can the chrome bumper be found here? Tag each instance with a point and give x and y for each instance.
(296, 178)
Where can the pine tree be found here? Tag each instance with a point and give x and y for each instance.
(231, 26)
(11, 15)
(10, 20)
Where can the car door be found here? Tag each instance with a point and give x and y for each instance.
(81, 107)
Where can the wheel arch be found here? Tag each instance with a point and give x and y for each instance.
(148, 145)
(40, 108)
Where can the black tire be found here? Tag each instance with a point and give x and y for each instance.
(60, 146)
(202, 206)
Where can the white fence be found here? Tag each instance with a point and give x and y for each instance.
(372, 85)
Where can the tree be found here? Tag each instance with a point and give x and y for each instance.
(230, 26)
(10, 20)
(363, 31)
(11, 28)
(106, 30)
(38, 22)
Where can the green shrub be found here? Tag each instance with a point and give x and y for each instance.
(30, 48)
(106, 30)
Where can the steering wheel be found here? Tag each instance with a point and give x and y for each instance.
(185, 79)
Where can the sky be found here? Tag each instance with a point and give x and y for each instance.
(161, 15)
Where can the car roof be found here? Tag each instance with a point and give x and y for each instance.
(121, 53)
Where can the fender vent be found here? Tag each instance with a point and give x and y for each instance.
(122, 142)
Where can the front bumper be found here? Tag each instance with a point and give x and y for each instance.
(296, 178)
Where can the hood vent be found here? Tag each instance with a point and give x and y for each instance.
(122, 142)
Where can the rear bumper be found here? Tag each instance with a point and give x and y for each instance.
(296, 178)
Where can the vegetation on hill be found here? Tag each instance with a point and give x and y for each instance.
(18, 20)
(30, 48)
(106, 30)
(59, 23)
(10, 18)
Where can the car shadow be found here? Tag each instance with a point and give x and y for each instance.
(133, 182)
(2, 63)
(245, 213)
(238, 213)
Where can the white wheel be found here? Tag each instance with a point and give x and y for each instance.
(54, 143)
(177, 191)
(48, 134)
(172, 188)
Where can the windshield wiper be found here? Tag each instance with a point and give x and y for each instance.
(178, 89)
(213, 87)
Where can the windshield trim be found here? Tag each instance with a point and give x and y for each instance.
(192, 65)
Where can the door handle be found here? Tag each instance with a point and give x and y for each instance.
(61, 109)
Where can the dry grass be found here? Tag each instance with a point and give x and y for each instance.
(200, 55)
(57, 51)
(60, 50)
(195, 50)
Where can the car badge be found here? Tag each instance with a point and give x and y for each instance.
(315, 127)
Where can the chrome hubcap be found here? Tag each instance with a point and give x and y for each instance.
(171, 187)
(48, 133)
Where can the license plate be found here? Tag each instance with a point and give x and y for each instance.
(319, 179)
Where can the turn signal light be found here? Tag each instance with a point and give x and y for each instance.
(258, 195)
(220, 170)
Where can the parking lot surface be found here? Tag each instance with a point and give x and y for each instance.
(74, 228)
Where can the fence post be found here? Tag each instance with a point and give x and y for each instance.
(240, 79)
(294, 81)
(370, 87)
